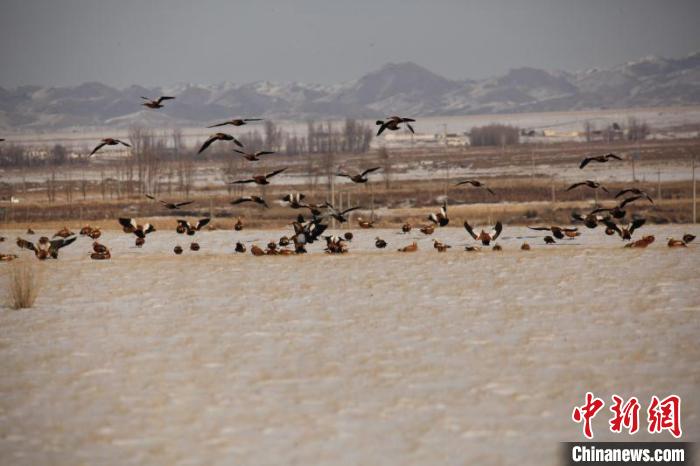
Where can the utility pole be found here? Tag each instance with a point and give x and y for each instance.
(695, 204)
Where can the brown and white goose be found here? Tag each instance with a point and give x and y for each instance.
(129, 225)
(485, 237)
(440, 218)
(626, 231)
(183, 226)
(559, 232)
(45, 248)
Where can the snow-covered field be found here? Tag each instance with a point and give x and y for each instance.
(374, 357)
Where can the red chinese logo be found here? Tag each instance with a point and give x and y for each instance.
(625, 415)
(587, 412)
(665, 415)
(661, 415)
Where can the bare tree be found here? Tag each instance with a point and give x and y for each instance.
(387, 165)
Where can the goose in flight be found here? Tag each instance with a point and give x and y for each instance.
(183, 226)
(589, 183)
(476, 184)
(359, 177)
(170, 205)
(235, 122)
(625, 232)
(485, 237)
(392, 124)
(255, 199)
(253, 156)
(259, 179)
(108, 142)
(45, 248)
(558, 232)
(129, 225)
(219, 137)
(636, 192)
(440, 218)
(158, 103)
(599, 158)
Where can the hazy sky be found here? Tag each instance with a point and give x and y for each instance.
(157, 42)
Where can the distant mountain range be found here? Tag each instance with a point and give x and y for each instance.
(403, 88)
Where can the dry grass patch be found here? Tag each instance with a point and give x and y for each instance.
(23, 285)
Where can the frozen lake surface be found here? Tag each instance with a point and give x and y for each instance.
(374, 357)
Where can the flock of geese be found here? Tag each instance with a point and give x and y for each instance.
(311, 228)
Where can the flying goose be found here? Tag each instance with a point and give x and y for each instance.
(253, 156)
(476, 184)
(255, 199)
(259, 179)
(629, 200)
(235, 122)
(45, 248)
(636, 192)
(625, 232)
(589, 183)
(359, 177)
(337, 214)
(617, 211)
(183, 226)
(590, 220)
(440, 218)
(156, 103)
(335, 245)
(219, 137)
(392, 124)
(170, 205)
(129, 225)
(599, 159)
(108, 142)
(485, 237)
(558, 232)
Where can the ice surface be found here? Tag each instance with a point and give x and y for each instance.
(374, 357)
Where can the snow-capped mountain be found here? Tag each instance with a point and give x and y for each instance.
(402, 88)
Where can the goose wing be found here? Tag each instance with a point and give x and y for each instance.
(469, 230)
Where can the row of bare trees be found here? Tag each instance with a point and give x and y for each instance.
(634, 131)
